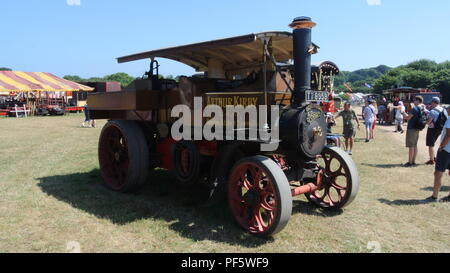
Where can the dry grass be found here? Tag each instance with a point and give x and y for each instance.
(51, 193)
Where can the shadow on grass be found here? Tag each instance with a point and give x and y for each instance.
(383, 166)
(181, 208)
(443, 188)
(304, 207)
(411, 202)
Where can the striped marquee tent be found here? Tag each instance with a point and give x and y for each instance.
(15, 81)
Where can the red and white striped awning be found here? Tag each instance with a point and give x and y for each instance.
(16, 81)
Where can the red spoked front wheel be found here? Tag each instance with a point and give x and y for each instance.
(337, 180)
(259, 196)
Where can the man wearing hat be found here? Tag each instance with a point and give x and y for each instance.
(437, 118)
(412, 133)
(442, 161)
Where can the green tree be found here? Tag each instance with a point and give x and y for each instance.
(341, 78)
(5, 69)
(364, 75)
(73, 78)
(121, 77)
(416, 78)
(386, 82)
(383, 69)
(397, 72)
(441, 83)
(424, 65)
(95, 79)
(444, 65)
(358, 79)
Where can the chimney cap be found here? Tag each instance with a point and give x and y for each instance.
(302, 22)
(301, 19)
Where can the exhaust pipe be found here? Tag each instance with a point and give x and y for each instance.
(302, 57)
(302, 129)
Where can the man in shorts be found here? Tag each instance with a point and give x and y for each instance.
(349, 117)
(434, 127)
(442, 162)
(412, 133)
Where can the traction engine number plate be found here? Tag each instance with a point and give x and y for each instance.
(316, 96)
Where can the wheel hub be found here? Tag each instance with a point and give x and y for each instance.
(327, 179)
(252, 197)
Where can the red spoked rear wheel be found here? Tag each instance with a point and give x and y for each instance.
(259, 196)
(337, 180)
(114, 157)
(123, 156)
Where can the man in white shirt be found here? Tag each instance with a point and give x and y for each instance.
(442, 162)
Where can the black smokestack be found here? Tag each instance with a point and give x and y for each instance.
(302, 57)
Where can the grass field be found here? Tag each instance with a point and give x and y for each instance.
(52, 199)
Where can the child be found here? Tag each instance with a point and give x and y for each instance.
(381, 114)
(330, 123)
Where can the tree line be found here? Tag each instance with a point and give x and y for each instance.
(360, 80)
(418, 74)
(123, 78)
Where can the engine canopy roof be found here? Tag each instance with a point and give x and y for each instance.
(234, 53)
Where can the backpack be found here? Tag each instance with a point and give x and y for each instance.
(441, 120)
(422, 119)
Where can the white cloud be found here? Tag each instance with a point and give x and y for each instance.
(374, 2)
(73, 2)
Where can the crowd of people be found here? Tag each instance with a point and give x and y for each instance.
(438, 125)
(418, 118)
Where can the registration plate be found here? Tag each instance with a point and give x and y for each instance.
(316, 96)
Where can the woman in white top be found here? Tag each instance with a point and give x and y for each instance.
(399, 117)
(369, 114)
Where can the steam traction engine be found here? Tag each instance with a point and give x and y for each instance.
(254, 69)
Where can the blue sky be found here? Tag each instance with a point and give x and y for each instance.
(83, 37)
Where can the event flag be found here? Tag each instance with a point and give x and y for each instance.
(348, 87)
